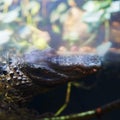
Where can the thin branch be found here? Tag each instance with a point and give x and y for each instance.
(89, 114)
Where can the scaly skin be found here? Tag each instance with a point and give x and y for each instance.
(39, 71)
(47, 68)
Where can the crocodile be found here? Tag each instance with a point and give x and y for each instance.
(40, 71)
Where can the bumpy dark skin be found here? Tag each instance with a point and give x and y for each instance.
(47, 68)
(39, 71)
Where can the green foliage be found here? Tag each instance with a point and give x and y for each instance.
(15, 32)
(16, 16)
(58, 13)
(98, 12)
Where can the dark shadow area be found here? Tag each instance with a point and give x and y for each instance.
(106, 90)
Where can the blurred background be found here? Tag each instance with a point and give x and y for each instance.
(66, 25)
(69, 26)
